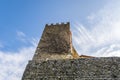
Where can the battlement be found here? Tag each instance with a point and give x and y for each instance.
(57, 24)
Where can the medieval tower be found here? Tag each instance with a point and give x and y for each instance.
(56, 59)
(55, 43)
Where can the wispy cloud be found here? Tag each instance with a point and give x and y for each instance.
(103, 38)
(28, 40)
(12, 64)
(21, 36)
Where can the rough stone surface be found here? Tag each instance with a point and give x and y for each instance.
(55, 43)
(74, 69)
(56, 59)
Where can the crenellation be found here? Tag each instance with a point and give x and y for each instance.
(68, 23)
(52, 24)
(46, 25)
(57, 24)
(62, 23)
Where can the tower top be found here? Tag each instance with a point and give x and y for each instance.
(58, 24)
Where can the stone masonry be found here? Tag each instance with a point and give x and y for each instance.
(55, 43)
(74, 69)
(56, 59)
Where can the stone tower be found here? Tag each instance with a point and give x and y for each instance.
(55, 59)
(55, 43)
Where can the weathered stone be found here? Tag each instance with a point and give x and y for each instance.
(56, 59)
(74, 69)
(56, 43)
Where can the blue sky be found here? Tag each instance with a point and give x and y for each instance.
(30, 17)
(95, 26)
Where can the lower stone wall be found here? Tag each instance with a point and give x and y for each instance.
(74, 69)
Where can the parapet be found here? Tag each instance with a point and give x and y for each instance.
(57, 24)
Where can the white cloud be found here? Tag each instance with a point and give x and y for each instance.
(104, 32)
(34, 41)
(12, 64)
(21, 36)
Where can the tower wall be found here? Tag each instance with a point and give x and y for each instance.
(55, 43)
